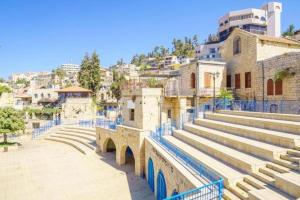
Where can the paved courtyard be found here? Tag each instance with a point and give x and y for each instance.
(48, 170)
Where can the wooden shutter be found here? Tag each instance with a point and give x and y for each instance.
(237, 81)
(270, 87)
(207, 80)
(193, 80)
(278, 87)
(248, 80)
(228, 81)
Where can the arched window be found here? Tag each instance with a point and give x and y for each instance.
(263, 19)
(236, 45)
(270, 87)
(151, 174)
(193, 80)
(278, 87)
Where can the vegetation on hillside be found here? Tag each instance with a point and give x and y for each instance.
(4, 89)
(290, 31)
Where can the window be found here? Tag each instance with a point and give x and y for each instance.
(212, 50)
(193, 80)
(278, 87)
(169, 114)
(263, 19)
(36, 96)
(207, 80)
(237, 81)
(270, 87)
(248, 80)
(236, 45)
(49, 95)
(42, 95)
(228, 81)
(131, 114)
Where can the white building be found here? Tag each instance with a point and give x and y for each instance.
(209, 51)
(170, 61)
(266, 21)
(70, 68)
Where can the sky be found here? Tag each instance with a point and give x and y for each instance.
(39, 35)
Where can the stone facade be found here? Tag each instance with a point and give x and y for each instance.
(290, 85)
(253, 48)
(78, 108)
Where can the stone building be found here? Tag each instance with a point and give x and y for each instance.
(242, 52)
(76, 103)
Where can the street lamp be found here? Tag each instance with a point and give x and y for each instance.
(214, 75)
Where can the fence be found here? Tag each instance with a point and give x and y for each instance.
(213, 190)
(270, 106)
(39, 131)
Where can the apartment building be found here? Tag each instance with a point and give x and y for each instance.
(264, 21)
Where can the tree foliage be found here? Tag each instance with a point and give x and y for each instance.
(11, 121)
(186, 47)
(290, 31)
(60, 73)
(284, 73)
(89, 75)
(115, 87)
(225, 94)
(23, 81)
(4, 89)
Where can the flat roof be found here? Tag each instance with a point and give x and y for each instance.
(73, 89)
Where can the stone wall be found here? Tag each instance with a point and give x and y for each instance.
(177, 177)
(78, 108)
(291, 85)
(253, 49)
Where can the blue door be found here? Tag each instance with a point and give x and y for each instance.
(151, 174)
(161, 186)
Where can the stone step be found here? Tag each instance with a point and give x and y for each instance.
(294, 152)
(263, 135)
(76, 127)
(268, 194)
(268, 172)
(278, 116)
(229, 155)
(255, 182)
(81, 148)
(287, 164)
(245, 186)
(239, 192)
(227, 195)
(76, 139)
(278, 168)
(289, 183)
(228, 173)
(84, 136)
(290, 158)
(264, 178)
(80, 131)
(271, 124)
(257, 148)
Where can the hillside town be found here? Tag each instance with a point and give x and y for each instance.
(218, 119)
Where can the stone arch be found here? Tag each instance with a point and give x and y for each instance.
(124, 153)
(174, 192)
(109, 145)
(237, 47)
(150, 174)
(161, 186)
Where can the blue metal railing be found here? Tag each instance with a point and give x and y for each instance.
(270, 106)
(41, 130)
(213, 190)
(210, 191)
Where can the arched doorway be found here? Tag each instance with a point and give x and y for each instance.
(110, 146)
(174, 193)
(151, 174)
(161, 188)
(129, 157)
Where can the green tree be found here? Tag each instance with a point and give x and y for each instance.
(225, 94)
(11, 121)
(115, 87)
(60, 73)
(89, 75)
(290, 31)
(23, 81)
(2, 80)
(4, 89)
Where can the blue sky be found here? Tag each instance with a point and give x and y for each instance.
(39, 35)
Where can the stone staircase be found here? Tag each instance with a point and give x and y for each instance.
(257, 154)
(81, 138)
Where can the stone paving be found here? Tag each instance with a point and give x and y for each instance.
(48, 170)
